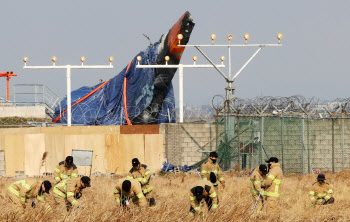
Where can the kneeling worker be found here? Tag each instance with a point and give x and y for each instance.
(20, 191)
(129, 189)
(321, 192)
(66, 170)
(142, 174)
(256, 184)
(67, 193)
(203, 191)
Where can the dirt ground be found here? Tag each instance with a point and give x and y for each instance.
(172, 197)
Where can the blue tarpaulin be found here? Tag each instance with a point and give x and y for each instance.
(106, 105)
(167, 167)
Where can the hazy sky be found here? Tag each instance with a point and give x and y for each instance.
(312, 62)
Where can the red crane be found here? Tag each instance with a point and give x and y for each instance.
(8, 75)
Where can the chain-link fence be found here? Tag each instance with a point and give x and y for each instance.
(302, 145)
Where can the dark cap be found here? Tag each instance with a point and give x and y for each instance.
(69, 160)
(321, 177)
(135, 162)
(263, 169)
(199, 193)
(47, 185)
(272, 159)
(86, 180)
(213, 154)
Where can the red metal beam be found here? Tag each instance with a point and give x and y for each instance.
(8, 76)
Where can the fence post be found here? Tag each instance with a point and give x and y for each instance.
(333, 161)
(303, 137)
(308, 145)
(238, 143)
(282, 141)
(342, 141)
(261, 139)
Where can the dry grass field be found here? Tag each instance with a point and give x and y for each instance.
(172, 196)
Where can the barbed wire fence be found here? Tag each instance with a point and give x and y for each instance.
(307, 135)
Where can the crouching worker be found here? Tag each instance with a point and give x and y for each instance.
(20, 191)
(321, 192)
(142, 174)
(67, 193)
(257, 184)
(203, 191)
(127, 189)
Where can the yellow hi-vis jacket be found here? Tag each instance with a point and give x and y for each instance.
(209, 167)
(135, 191)
(29, 189)
(63, 172)
(143, 176)
(320, 191)
(256, 182)
(208, 192)
(68, 189)
(273, 181)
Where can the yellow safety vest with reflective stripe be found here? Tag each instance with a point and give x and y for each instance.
(16, 184)
(62, 172)
(209, 167)
(28, 189)
(320, 192)
(143, 176)
(273, 181)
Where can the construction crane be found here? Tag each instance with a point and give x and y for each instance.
(8, 75)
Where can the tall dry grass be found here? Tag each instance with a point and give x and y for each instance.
(172, 196)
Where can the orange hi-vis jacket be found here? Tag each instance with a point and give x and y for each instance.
(143, 176)
(29, 189)
(256, 182)
(135, 191)
(209, 167)
(68, 189)
(63, 172)
(273, 181)
(319, 192)
(209, 192)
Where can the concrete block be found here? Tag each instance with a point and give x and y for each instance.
(187, 159)
(196, 158)
(187, 140)
(184, 154)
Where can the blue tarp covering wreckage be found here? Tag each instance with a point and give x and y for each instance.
(135, 95)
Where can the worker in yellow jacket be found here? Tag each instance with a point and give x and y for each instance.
(211, 168)
(142, 174)
(127, 189)
(257, 184)
(66, 170)
(272, 184)
(203, 192)
(67, 192)
(321, 192)
(19, 192)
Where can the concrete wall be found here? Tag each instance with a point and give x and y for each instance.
(23, 111)
(183, 141)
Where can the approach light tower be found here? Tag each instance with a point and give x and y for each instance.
(68, 75)
(230, 89)
(8, 76)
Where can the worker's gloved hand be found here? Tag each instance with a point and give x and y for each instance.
(323, 201)
(24, 206)
(33, 204)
